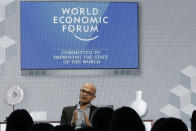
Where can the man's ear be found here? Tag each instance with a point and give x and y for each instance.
(93, 97)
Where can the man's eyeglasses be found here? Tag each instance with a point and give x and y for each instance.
(87, 92)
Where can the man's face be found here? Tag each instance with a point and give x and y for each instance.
(87, 93)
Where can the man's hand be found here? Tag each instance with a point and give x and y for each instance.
(74, 117)
(88, 123)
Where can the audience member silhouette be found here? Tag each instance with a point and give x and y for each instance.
(42, 127)
(19, 120)
(157, 125)
(101, 118)
(63, 128)
(193, 121)
(87, 128)
(126, 119)
(173, 124)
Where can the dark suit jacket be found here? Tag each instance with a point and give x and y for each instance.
(68, 112)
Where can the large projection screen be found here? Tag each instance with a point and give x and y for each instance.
(79, 35)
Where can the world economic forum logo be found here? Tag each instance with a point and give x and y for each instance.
(81, 22)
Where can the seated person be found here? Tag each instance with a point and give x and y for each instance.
(126, 119)
(193, 121)
(19, 120)
(79, 115)
(101, 118)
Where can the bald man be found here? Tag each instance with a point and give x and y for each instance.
(79, 115)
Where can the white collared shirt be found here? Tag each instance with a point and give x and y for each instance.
(81, 122)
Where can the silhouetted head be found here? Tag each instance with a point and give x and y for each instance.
(63, 128)
(42, 127)
(125, 118)
(19, 120)
(193, 121)
(173, 124)
(157, 125)
(101, 118)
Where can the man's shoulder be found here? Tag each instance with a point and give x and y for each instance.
(70, 107)
(93, 107)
